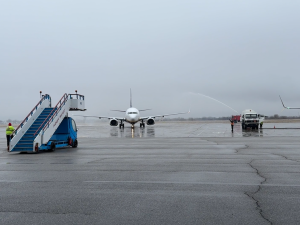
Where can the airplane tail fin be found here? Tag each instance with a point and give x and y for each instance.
(130, 99)
(287, 107)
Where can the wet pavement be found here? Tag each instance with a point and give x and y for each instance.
(170, 173)
(187, 129)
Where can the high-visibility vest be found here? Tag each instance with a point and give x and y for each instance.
(9, 130)
(232, 123)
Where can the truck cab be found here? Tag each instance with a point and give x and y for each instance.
(249, 118)
(65, 135)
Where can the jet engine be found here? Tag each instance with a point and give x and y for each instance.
(113, 122)
(150, 121)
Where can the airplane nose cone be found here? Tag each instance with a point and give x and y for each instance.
(132, 118)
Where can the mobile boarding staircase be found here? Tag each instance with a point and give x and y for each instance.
(43, 120)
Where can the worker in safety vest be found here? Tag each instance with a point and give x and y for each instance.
(232, 124)
(261, 124)
(9, 131)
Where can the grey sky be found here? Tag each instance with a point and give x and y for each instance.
(243, 53)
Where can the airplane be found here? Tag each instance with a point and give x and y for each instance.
(132, 116)
(285, 106)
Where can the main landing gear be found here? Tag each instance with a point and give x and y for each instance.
(142, 124)
(121, 125)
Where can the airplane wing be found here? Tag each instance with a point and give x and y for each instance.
(285, 106)
(117, 110)
(107, 117)
(163, 115)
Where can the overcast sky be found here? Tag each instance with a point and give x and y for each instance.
(242, 53)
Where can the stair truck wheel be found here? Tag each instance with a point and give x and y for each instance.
(75, 144)
(52, 147)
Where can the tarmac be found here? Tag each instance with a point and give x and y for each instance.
(157, 175)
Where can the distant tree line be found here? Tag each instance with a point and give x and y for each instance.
(275, 116)
(195, 118)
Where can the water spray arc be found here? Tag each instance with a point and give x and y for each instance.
(213, 99)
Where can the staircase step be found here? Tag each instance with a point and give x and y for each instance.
(24, 146)
(26, 142)
(25, 138)
(28, 136)
(21, 149)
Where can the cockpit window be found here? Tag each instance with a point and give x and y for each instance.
(132, 112)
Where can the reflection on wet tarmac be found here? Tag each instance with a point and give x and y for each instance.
(136, 132)
(252, 133)
(198, 129)
(150, 132)
(114, 132)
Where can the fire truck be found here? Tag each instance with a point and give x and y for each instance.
(236, 118)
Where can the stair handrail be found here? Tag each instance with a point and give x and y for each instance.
(46, 96)
(56, 109)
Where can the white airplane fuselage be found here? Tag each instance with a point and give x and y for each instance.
(132, 115)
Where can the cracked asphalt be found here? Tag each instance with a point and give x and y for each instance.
(155, 180)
